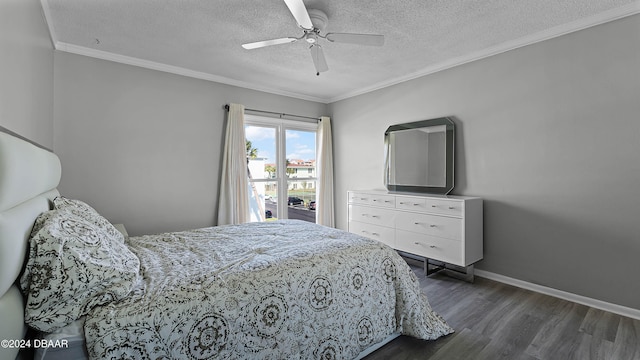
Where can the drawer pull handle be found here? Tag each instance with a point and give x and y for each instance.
(433, 206)
(432, 225)
(404, 203)
(451, 207)
(419, 243)
(416, 223)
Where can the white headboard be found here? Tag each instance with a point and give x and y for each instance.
(29, 176)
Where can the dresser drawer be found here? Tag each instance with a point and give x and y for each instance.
(441, 226)
(387, 201)
(372, 215)
(445, 207)
(358, 198)
(375, 232)
(382, 200)
(431, 247)
(411, 203)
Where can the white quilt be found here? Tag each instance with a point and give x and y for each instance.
(275, 290)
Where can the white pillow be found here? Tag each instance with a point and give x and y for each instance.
(73, 265)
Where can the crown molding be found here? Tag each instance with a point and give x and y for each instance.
(601, 18)
(105, 55)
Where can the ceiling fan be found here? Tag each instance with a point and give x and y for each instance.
(313, 22)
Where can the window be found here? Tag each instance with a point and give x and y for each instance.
(281, 155)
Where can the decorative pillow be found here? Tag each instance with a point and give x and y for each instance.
(73, 265)
(86, 212)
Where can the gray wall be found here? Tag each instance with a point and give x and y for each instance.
(144, 147)
(549, 136)
(26, 71)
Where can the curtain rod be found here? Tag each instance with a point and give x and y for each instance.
(280, 115)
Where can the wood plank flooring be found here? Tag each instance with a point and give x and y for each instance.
(499, 321)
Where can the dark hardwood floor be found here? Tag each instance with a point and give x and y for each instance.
(498, 321)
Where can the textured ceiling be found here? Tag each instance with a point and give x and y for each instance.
(202, 38)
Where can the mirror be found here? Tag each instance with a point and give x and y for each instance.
(419, 156)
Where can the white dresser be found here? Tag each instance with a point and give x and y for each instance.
(443, 228)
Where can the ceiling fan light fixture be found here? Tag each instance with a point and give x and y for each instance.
(311, 38)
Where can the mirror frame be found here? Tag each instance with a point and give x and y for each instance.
(449, 154)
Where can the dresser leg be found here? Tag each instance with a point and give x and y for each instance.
(431, 267)
(465, 273)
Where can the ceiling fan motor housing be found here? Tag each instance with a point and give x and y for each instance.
(318, 18)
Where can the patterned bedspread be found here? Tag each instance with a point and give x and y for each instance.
(278, 290)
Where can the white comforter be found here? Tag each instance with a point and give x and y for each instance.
(277, 290)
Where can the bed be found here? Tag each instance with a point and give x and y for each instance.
(278, 290)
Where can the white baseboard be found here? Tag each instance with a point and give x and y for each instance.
(598, 304)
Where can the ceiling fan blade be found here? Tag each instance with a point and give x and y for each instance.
(360, 39)
(318, 58)
(259, 44)
(300, 13)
